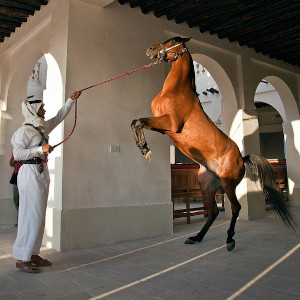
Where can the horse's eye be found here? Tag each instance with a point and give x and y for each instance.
(172, 42)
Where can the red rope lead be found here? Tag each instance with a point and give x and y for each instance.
(123, 75)
(103, 82)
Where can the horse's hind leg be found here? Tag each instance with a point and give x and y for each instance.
(229, 188)
(209, 186)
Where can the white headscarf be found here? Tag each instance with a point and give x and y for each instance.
(29, 112)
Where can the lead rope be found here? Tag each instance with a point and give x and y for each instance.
(41, 165)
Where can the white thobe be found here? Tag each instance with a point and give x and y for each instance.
(33, 186)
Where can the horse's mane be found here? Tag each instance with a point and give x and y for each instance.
(193, 76)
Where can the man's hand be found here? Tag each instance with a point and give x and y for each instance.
(75, 95)
(12, 162)
(47, 148)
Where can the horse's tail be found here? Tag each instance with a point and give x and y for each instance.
(262, 170)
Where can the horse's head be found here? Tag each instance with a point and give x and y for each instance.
(170, 50)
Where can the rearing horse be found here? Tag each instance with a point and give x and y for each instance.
(178, 113)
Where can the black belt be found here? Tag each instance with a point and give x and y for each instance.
(33, 161)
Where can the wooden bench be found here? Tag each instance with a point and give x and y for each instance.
(279, 167)
(185, 187)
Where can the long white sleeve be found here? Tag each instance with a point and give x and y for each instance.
(26, 139)
(60, 116)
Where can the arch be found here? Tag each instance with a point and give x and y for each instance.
(53, 97)
(225, 85)
(287, 106)
(288, 100)
(288, 109)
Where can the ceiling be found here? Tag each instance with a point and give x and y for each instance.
(269, 27)
(14, 12)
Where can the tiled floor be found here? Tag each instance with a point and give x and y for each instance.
(264, 265)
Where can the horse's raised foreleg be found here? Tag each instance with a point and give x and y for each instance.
(159, 124)
(209, 185)
(138, 133)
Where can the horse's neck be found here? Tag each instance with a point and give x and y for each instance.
(181, 74)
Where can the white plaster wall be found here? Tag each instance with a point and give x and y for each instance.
(45, 32)
(103, 43)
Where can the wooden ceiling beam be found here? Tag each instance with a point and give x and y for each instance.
(11, 23)
(16, 20)
(271, 38)
(262, 18)
(153, 5)
(11, 9)
(286, 44)
(19, 4)
(35, 2)
(184, 15)
(279, 42)
(13, 14)
(224, 16)
(174, 7)
(122, 2)
(135, 3)
(4, 30)
(2, 34)
(285, 51)
(260, 33)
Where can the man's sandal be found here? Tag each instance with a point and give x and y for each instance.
(26, 266)
(38, 261)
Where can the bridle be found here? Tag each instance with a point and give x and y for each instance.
(164, 52)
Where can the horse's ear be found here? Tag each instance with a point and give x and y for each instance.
(185, 40)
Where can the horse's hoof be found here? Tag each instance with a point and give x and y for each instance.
(190, 241)
(230, 246)
(148, 156)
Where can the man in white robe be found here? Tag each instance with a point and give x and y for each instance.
(30, 145)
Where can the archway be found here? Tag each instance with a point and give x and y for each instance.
(53, 99)
(277, 94)
(271, 113)
(46, 80)
(225, 86)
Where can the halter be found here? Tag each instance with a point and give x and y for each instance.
(165, 52)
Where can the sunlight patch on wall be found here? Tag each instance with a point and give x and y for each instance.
(291, 185)
(296, 131)
(1, 135)
(236, 131)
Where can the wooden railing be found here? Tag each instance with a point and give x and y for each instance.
(185, 187)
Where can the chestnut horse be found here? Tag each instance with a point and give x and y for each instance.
(178, 113)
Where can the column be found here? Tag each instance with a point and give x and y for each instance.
(292, 152)
(245, 132)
